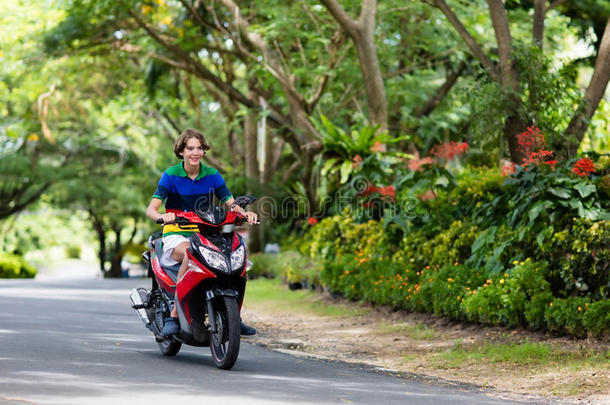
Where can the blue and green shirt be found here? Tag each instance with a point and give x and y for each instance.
(180, 193)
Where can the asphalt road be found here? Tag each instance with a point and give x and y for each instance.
(78, 342)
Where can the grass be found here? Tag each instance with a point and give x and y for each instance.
(275, 297)
(521, 354)
(417, 332)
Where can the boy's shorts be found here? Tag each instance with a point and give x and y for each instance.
(169, 244)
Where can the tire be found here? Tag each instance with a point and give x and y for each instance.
(225, 343)
(169, 346)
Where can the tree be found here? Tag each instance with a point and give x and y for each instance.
(362, 33)
(505, 72)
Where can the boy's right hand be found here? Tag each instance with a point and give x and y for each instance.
(168, 217)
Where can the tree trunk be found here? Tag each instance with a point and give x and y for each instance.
(509, 79)
(513, 126)
(98, 227)
(538, 26)
(252, 172)
(362, 33)
(117, 255)
(595, 92)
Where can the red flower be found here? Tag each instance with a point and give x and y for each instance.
(532, 145)
(531, 140)
(416, 163)
(369, 190)
(388, 191)
(449, 150)
(312, 221)
(583, 167)
(356, 161)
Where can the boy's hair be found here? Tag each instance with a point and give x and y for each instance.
(184, 137)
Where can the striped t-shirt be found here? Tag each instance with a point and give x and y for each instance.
(180, 193)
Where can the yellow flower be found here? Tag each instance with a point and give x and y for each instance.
(550, 304)
(516, 262)
(501, 281)
(579, 309)
(167, 20)
(33, 137)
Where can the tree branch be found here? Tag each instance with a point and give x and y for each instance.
(192, 66)
(336, 43)
(349, 25)
(555, 4)
(471, 43)
(441, 92)
(593, 95)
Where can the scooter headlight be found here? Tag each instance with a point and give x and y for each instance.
(214, 259)
(237, 258)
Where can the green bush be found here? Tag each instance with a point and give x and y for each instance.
(527, 250)
(73, 251)
(506, 299)
(291, 266)
(596, 318)
(264, 265)
(566, 315)
(579, 257)
(13, 266)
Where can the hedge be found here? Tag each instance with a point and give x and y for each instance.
(13, 266)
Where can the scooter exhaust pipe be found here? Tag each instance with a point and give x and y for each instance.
(139, 306)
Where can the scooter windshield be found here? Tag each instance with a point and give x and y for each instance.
(213, 216)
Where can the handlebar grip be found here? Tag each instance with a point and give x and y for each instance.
(160, 221)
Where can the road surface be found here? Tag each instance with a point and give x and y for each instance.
(77, 341)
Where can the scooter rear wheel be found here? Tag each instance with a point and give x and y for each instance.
(225, 342)
(169, 346)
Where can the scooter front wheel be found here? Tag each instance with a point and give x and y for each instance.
(224, 343)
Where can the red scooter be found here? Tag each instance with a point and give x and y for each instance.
(209, 295)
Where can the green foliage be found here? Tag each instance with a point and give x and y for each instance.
(264, 265)
(73, 251)
(597, 316)
(491, 266)
(13, 266)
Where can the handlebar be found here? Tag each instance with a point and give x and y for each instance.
(180, 220)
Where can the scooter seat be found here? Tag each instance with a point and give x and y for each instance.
(171, 271)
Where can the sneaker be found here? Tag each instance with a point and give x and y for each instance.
(247, 330)
(171, 327)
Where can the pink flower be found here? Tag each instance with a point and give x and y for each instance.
(508, 169)
(428, 195)
(378, 147)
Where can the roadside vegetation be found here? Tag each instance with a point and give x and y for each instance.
(518, 363)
